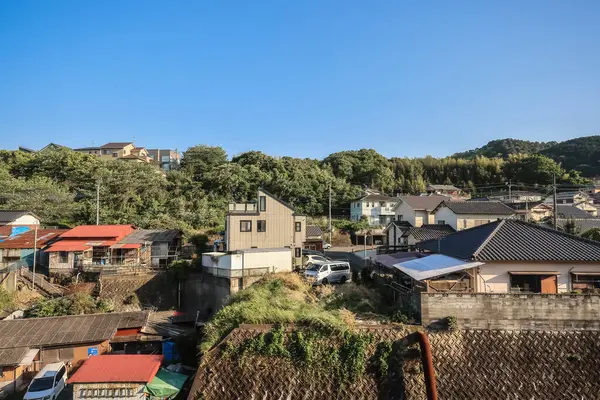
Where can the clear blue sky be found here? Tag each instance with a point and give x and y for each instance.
(302, 78)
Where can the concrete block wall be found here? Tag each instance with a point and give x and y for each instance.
(514, 311)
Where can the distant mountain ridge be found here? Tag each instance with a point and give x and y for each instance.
(582, 154)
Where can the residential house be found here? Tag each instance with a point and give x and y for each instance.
(20, 248)
(426, 232)
(166, 159)
(376, 207)
(444, 190)
(113, 150)
(580, 225)
(534, 211)
(578, 199)
(269, 223)
(417, 210)
(115, 376)
(88, 247)
(466, 214)
(95, 151)
(570, 211)
(28, 344)
(148, 248)
(518, 196)
(394, 234)
(518, 256)
(314, 238)
(53, 147)
(139, 155)
(15, 222)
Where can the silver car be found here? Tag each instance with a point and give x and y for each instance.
(329, 272)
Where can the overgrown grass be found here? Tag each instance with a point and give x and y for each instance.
(275, 299)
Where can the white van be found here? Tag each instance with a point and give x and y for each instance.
(48, 383)
(329, 272)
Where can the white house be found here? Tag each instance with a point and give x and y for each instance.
(517, 256)
(416, 210)
(467, 214)
(378, 208)
(23, 218)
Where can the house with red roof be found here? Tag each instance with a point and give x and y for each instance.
(87, 246)
(20, 248)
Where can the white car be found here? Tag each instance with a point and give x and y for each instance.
(326, 245)
(329, 272)
(48, 383)
(315, 259)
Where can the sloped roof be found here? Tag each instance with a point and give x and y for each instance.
(118, 368)
(10, 215)
(376, 197)
(430, 231)
(442, 187)
(478, 207)
(142, 236)
(115, 145)
(98, 231)
(14, 356)
(313, 230)
(427, 203)
(568, 211)
(581, 224)
(514, 240)
(403, 225)
(25, 240)
(54, 331)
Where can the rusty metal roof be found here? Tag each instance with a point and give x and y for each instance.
(25, 240)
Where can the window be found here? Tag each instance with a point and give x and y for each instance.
(60, 374)
(63, 257)
(245, 226)
(298, 252)
(115, 155)
(441, 222)
(339, 267)
(323, 268)
(106, 152)
(298, 226)
(261, 226)
(262, 202)
(318, 258)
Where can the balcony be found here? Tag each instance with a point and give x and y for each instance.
(242, 208)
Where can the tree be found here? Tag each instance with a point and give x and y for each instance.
(571, 227)
(592, 234)
(199, 160)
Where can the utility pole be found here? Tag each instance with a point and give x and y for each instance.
(330, 232)
(34, 255)
(98, 202)
(554, 199)
(510, 189)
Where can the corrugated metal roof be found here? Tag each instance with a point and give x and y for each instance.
(25, 240)
(514, 240)
(99, 231)
(53, 331)
(14, 356)
(150, 235)
(69, 245)
(433, 266)
(135, 368)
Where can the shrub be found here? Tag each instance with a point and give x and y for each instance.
(75, 304)
(451, 323)
(131, 299)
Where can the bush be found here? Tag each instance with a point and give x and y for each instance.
(75, 304)
(7, 302)
(132, 299)
(399, 317)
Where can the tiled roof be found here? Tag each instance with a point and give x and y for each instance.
(107, 368)
(115, 145)
(478, 207)
(313, 230)
(25, 240)
(430, 231)
(566, 211)
(581, 224)
(98, 231)
(10, 215)
(514, 240)
(55, 331)
(402, 225)
(9, 357)
(427, 203)
(442, 187)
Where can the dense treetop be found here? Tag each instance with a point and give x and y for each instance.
(59, 185)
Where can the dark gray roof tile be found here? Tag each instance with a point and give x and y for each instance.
(478, 207)
(432, 231)
(427, 203)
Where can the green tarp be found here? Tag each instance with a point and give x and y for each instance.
(165, 385)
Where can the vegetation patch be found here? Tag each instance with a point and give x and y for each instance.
(75, 304)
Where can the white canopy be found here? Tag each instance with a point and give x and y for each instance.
(434, 265)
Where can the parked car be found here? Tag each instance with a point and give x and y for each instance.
(48, 383)
(315, 259)
(326, 245)
(329, 272)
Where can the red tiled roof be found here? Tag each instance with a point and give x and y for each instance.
(99, 231)
(25, 240)
(69, 245)
(118, 368)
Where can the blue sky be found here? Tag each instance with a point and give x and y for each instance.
(301, 78)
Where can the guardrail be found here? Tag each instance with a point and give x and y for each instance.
(237, 273)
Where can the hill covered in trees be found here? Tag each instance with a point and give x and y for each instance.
(60, 185)
(582, 154)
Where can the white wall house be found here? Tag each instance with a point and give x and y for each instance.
(416, 210)
(468, 214)
(18, 218)
(378, 208)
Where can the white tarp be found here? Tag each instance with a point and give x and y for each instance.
(434, 265)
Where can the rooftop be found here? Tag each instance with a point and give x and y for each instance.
(115, 145)
(427, 203)
(72, 329)
(376, 197)
(25, 240)
(142, 236)
(118, 368)
(10, 215)
(514, 240)
(567, 211)
(478, 207)
(430, 231)
(443, 187)
(313, 230)
(98, 231)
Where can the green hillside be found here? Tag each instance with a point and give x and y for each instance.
(504, 147)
